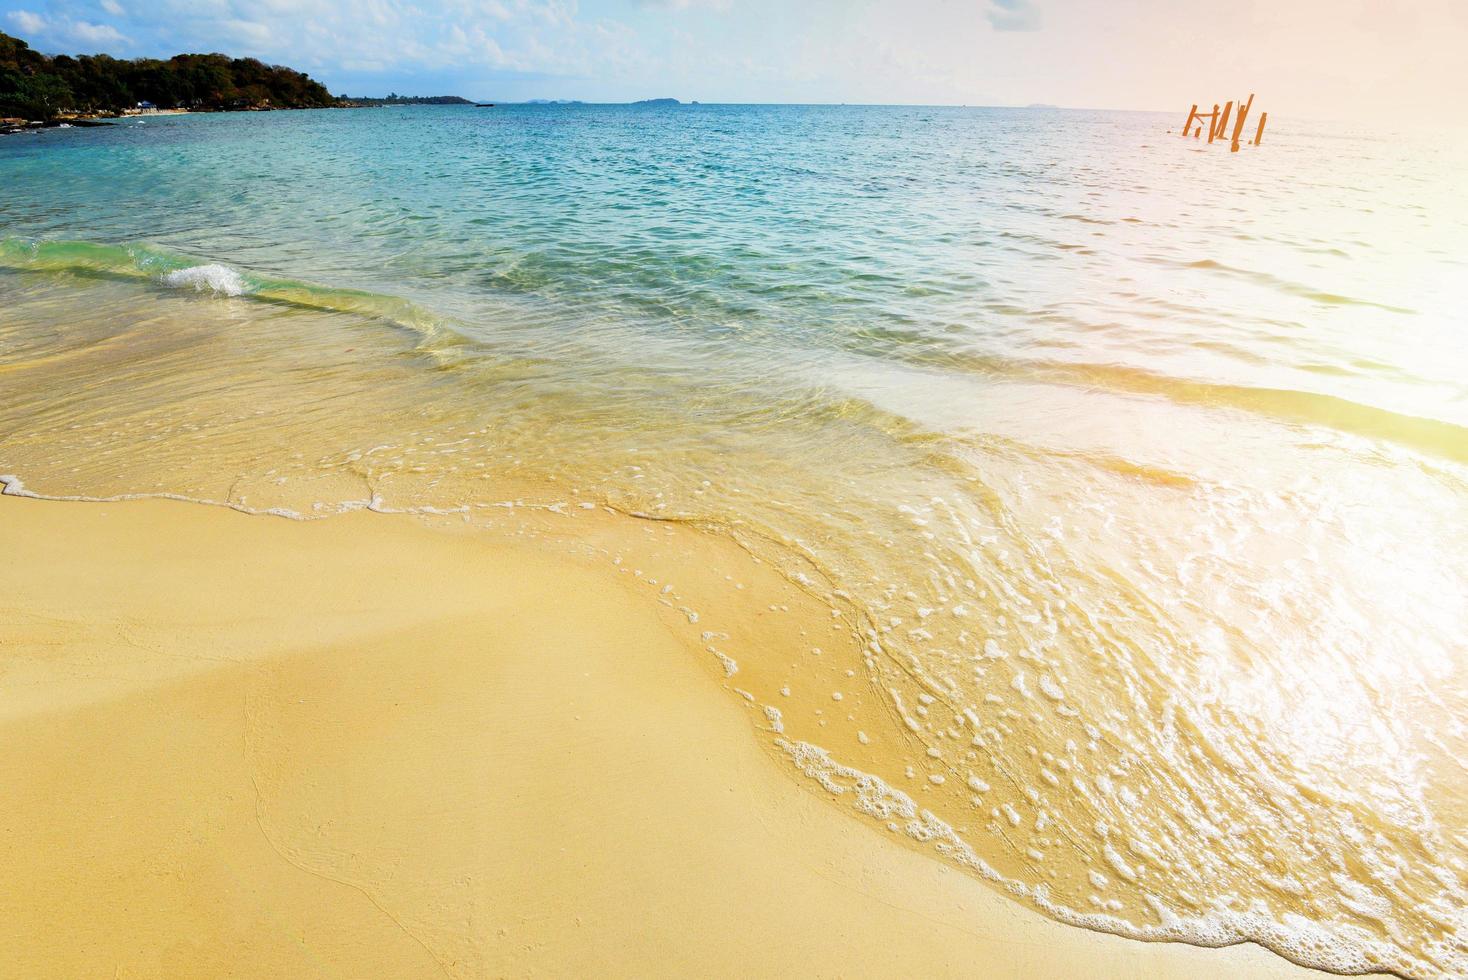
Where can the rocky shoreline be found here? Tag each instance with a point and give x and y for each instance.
(11, 126)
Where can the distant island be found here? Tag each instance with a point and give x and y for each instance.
(653, 102)
(37, 87)
(395, 99)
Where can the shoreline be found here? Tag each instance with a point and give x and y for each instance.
(785, 687)
(15, 126)
(364, 743)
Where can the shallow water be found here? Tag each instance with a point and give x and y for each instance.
(1139, 468)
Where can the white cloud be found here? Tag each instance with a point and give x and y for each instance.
(65, 31)
(1014, 15)
(719, 5)
(540, 37)
(249, 33)
(112, 7)
(27, 22)
(88, 33)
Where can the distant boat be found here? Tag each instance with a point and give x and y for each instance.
(484, 105)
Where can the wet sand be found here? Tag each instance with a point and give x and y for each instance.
(362, 746)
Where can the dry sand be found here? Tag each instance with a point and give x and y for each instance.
(246, 746)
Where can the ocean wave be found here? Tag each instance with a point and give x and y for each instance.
(211, 278)
(1282, 285)
(176, 270)
(1432, 436)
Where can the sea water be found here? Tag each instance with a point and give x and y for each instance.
(1137, 470)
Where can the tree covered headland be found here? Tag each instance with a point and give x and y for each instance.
(35, 86)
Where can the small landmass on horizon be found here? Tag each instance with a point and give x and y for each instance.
(396, 99)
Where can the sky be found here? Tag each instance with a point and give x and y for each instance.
(1324, 58)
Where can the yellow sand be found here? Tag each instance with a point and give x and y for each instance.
(246, 746)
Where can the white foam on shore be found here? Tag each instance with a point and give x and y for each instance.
(11, 486)
(214, 278)
(1339, 948)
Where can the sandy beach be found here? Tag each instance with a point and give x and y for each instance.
(247, 746)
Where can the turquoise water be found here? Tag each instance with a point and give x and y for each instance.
(1009, 239)
(1162, 447)
(990, 240)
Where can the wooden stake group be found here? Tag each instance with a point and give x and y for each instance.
(1218, 123)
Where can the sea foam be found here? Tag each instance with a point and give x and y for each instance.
(1346, 948)
(212, 278)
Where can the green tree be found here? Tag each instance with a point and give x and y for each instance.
(34, 86)
(34, 96)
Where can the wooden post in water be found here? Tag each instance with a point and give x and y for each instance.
(1218, 122)
(1239, 122)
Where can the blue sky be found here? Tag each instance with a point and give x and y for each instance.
(1327, 57)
